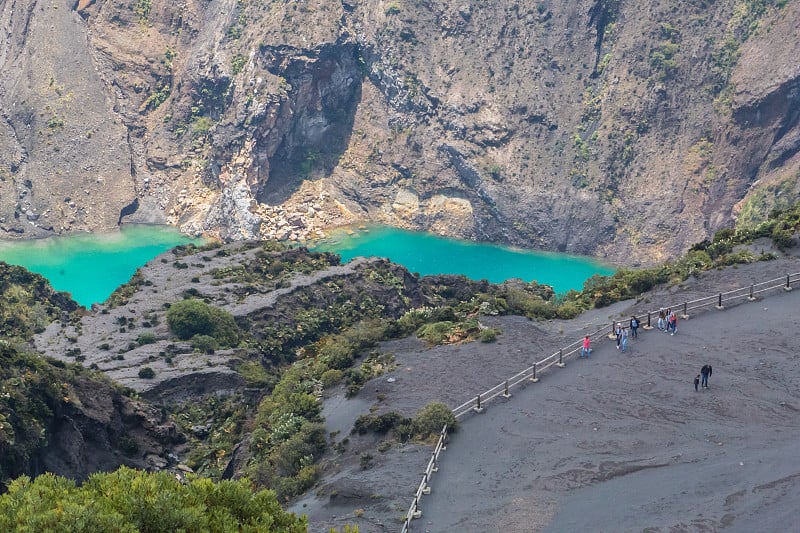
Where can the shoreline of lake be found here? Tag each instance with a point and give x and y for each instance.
(428, 253)
(90, 266)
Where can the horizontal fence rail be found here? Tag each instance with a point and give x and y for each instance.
(531, 374)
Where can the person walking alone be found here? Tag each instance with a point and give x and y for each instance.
(634, 327)
(704, 373)
(587, 347)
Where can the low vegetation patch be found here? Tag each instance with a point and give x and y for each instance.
(192, 317)
(131, 500)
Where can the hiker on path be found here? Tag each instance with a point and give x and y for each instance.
(696, 382)
(662, 319)
(618, 333)
(634, 327)
(624, 339)
(705, 372)
(587, 347)
(673, 323)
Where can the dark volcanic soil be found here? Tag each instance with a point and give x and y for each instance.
(620, 442)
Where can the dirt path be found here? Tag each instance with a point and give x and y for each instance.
(596, 426)
(622, 442)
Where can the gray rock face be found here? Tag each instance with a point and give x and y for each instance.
(603, 128)
(87, 437)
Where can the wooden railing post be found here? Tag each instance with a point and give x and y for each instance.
(426, 487)
(478, 408)
(560, 363)
(534, 379)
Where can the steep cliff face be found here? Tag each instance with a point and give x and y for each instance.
(600, 127)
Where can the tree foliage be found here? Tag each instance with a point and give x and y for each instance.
(28, 303)
(191, 317)
(128, 501)
(431, 419)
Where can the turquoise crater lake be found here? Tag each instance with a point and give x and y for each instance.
(427, 253)
(91, 266)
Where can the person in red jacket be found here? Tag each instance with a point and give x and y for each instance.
(587, 347)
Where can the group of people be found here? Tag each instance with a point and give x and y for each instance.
(622, 333)
(702, 377)
(667, 321)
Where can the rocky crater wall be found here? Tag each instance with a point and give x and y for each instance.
(601, 127)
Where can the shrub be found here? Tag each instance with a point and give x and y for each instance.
(188, 318)
(443, 314)
(254, 374)
(337, 356)
(366, 461)
(128, 446)
(205, 343)
(146, 338)
(436, 333)
(783, 238)
(331, 377)
(489, 334)
(377, 424)
(404, 429)
(147, 373)
(431, 419)
(133, 500)
(410, 322)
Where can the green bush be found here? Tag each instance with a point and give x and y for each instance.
(436, 333)
(255, 375)
(443, 314)
(410, 322)
(331, 377)
(205, 343)
(377, 424)
(782, 238)
(146, 338)
(431, 419)
(191, 317)
(338, 356)
(489, 334)
(129, 500)
(147, 373)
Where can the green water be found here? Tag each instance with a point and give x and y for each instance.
(91, 266)
(430, 254)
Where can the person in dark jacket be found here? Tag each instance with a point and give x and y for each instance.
(704, 373)
(696, 381)
(634, 327)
